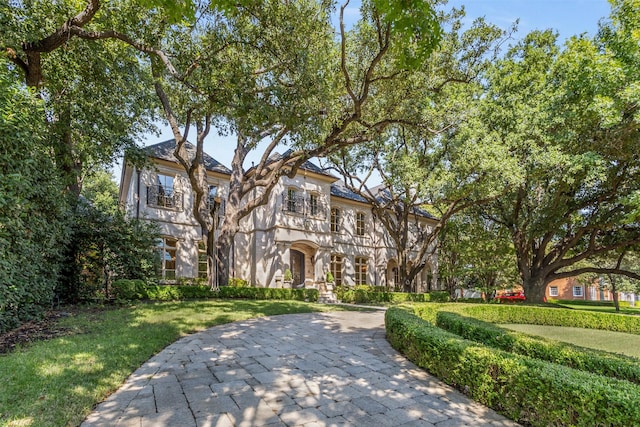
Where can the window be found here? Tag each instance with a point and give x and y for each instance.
(336, 268)
(211, 196)
(291, 202)
(577, 291)
(361, 271)
(360, 224)
(335, 220)
(162, 194)
(202, 260)
(167, 250)
(553, 291)
(313, 205)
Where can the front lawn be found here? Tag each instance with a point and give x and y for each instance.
(57, 382)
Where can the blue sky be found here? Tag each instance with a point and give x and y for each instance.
(568, 17)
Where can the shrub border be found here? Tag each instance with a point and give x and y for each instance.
(530, 391)
(584, 359)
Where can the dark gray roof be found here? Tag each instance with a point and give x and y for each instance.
(308, 166)
(339, 189)
(164, 151)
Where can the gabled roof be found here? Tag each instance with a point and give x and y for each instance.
(164, 151)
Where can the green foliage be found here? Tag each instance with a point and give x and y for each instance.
(108, 245)
(494, 313)
(584, 359)
(238, 283)
(530, 391)
(139, 290)
(415, 25)
(287, 275)
(32, 207)
(364, 294)
(329, 277)
(310, 295)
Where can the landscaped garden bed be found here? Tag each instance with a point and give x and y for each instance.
(525, 387)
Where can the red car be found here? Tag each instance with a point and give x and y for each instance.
(511, 297)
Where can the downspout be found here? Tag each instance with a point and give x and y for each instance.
(138, 195)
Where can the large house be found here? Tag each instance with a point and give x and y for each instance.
(311, 224)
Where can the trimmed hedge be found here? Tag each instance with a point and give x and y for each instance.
(310, 295)
(589, 303)
(584, 359)
(138, 289)
(365, 294)
(553, 317)
(530, 391)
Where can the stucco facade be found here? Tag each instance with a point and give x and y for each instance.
(311, 225)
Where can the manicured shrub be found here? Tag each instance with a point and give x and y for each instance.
(310, 295)
(138, 289)
(553, 317)
(365, 294)
(530, 391)
(584, 359)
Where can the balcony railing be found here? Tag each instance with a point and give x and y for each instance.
(163, 197)
(303, 206)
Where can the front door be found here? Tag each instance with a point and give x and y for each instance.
(297, 267)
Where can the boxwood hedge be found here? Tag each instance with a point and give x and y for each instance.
(138, 289)
(584, 359)
(365, 294)
(552, 317)
(527, 390)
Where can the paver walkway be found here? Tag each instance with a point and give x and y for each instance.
(320, 369)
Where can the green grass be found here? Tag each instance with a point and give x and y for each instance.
(614, 342)
(602, 308)
(57, 382)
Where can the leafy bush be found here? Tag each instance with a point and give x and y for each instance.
(33, 211)
(310, 295)
(589, 303)
(553, 317)
(530, 391)
(137, 289)
(584, 359)
(238, 283)
(365, 294)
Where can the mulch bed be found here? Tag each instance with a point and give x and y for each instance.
(34, 331)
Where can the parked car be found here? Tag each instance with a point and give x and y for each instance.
(511, 297)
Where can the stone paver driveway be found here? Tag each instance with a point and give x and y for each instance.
(320, 369)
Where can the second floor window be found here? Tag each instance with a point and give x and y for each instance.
(292, 200)
(314, 206)
(162, 193)
(335, 220)
(360, 225)
(211, 196)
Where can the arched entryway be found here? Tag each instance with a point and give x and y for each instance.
(302, 262)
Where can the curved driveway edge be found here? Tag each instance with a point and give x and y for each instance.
(318, 369)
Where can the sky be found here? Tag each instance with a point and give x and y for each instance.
(567, 17)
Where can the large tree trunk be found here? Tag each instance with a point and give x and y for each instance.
(614, 291)
(535, 289)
